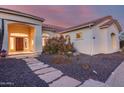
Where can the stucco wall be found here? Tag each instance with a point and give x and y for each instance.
(38, 39)
(100, 41)
(83, 45)
(95, 40)
(5, 37)
(18, 18)
(1, 34)
(113, 29)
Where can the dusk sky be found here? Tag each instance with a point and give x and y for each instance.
(70, 15)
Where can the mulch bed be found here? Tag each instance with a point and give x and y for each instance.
(83, 67)
(15, 73)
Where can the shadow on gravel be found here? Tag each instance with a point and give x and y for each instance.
(16, 73)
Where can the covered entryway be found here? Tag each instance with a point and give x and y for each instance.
(21, 38)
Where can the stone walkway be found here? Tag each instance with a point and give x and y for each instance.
(53, 76)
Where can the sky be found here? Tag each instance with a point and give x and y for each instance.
(70, 15)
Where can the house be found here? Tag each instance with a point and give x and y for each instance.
(24, 33)
(95, 37)
(50, 31)
(20, 32)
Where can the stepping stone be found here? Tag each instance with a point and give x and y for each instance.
(65, 81)
(93, 83)
(45, 70)
(35, 64)
(48, 77)
(38, 67)
(31, 60)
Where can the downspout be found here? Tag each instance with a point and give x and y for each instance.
(92, 40)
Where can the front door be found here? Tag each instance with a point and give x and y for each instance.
(19, 44)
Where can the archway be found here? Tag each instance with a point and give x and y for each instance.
(21, 38)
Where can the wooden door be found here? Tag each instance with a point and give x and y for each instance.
(19, 44)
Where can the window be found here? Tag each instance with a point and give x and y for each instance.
(113, 40)
(78, 35)
(11, 43)
(26, 43)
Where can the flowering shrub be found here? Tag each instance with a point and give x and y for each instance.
(58, 45)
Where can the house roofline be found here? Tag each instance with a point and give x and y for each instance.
(18, 13)
(52, 28)
(91, 24)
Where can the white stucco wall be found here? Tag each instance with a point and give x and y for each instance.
(113, 29)
(83, 45)
(38, 39)
(5, 37)
(100, 41)
(18, 18)
(95, 40)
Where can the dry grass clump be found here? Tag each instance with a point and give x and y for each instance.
(61, 59)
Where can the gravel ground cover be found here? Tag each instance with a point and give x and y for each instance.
(16, 73)
(98, 67)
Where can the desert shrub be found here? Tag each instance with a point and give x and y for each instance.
(58, 45)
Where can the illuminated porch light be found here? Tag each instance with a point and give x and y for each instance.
(19, 34)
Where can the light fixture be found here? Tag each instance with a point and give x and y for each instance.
(19, 34)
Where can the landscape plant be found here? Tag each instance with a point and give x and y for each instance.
(58, 45)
